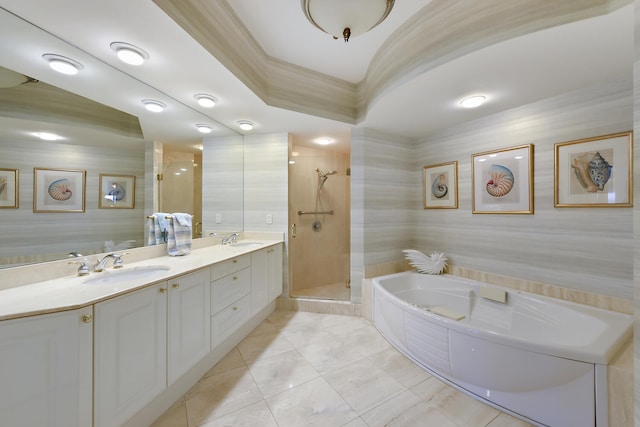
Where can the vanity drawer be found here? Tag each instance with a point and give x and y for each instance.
(229, 320)
(232, 265)
(230, 288)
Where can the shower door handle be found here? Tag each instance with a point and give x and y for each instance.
(293, 230)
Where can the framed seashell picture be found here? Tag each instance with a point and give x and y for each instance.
(440, 189)
(58, 190)
(117, 192)
(594, 172)
(9, 188)
(503, 181)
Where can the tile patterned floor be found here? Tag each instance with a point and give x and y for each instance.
(306, 369)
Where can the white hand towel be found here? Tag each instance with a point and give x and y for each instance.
(179, 242)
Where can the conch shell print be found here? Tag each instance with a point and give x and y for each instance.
(3, 186)
(60, 189)
(500, 181)
(592, 171)
(439, 187)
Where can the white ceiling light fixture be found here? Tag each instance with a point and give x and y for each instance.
(154, 106)
(206, 101)
(346, 19)
(62, 64)
(473, 101)
(202, 128)
(323, 141)
(245, 125)
(129, 54)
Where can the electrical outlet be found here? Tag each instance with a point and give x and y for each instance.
(269, 219)
(218, 218)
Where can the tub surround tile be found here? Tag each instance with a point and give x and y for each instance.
(620, 388)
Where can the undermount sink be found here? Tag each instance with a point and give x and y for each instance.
(125, 274)
(245, 244)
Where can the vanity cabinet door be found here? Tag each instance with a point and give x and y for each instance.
(45, 370)
(266, 276)
(189, 326)
(274, 272)
(130, 353)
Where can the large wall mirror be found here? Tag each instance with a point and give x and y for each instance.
(101, 143)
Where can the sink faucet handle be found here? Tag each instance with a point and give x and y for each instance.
(83, 270)
(117, 260)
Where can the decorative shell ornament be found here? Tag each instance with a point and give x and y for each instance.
(433, 264)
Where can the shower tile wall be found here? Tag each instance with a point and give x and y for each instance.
(589, 249)
(319, 258)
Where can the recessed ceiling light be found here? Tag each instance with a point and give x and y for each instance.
(206, 101)
(202, 128)
(473, 101)
(129, 53)
(245, 124)
(153, 105)
(323, 141)
(48, 136)
(62, 64)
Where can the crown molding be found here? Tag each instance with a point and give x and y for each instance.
(439, 33)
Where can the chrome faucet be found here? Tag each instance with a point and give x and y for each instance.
(230, 239)
(83, 270)
(102, 264)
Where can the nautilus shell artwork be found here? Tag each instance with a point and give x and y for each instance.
(432, 264)
(60, 189)
(439, 187)
(500, 181)
(116, 191)
(592, 171)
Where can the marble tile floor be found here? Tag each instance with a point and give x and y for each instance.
(307, 369)
(335, 291)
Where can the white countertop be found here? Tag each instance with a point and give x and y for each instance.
(70, 292)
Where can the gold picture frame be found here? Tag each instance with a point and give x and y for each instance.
(440, 186)
(117, 191)
(502, 181)
(594, 172)
(9, 188)
(58, 190)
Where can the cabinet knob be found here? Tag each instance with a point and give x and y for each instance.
(235, 261)
(163, 290)
(235, 277)
(175, 285)
(235, 308)
(87, 318)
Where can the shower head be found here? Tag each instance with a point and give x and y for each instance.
(323, 175)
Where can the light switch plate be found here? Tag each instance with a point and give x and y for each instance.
(269, 219)
(218, 218)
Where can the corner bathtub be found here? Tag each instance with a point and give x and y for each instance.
(540, 359)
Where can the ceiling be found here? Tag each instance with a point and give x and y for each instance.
(510, 73)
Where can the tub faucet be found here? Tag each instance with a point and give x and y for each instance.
(102, 264)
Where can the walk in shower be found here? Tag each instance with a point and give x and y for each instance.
(319, 235)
